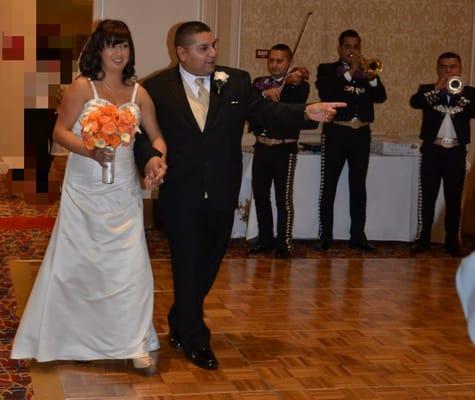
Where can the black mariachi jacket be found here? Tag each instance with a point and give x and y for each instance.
(434, 106)
(293, 94)
(358, 93)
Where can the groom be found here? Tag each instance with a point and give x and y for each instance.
(201, 109)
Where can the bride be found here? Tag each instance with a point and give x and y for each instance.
(93, 296)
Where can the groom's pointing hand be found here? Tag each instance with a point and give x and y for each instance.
(322, 112)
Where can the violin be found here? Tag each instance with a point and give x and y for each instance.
(296, 75)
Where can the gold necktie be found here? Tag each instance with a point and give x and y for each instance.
(203, 101)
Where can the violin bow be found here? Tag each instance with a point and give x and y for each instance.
(299, 39)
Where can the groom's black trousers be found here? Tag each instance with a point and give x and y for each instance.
(198, 236)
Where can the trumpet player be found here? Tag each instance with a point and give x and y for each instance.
(447, 108)
(348, 137)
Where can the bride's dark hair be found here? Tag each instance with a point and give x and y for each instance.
(109, 32)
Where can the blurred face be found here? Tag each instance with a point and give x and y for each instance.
(350, 48)
(448, 67)
(278, 63)
(199, 57)
(115, 57)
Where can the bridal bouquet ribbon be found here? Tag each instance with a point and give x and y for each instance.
(108, 127)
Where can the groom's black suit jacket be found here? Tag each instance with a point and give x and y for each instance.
(209, 161)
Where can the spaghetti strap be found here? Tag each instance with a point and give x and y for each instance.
(93, 89)
(134, 93)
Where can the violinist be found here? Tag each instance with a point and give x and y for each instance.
(275, 154)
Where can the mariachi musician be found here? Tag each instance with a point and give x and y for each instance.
(354, 80)
(275, 154)
(447, 107)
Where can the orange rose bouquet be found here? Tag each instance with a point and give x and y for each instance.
(107, 127)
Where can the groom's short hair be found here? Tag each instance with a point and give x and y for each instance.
(188, 29)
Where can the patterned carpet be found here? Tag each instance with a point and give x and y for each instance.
(24, 233)
(15, 380)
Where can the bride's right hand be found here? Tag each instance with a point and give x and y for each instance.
(102, 155)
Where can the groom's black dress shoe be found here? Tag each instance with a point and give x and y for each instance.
(174, 340)
(203, 358)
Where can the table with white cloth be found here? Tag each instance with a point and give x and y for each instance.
(392, 200)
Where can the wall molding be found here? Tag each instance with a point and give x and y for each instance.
(235, 28)
(209, 14)
(224, 18)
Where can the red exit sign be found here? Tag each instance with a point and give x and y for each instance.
(262, 53)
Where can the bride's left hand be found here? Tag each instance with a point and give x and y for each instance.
(155, 170)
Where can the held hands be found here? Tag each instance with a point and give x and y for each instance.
(322, 112)
(155, 170)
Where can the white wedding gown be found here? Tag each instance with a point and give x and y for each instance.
(465, 284)
(93, 296)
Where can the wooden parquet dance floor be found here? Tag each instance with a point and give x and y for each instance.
(301, 329)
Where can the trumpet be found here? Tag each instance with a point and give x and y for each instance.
(371, 66)
(454, 85)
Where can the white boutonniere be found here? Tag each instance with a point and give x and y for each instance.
(220, 79)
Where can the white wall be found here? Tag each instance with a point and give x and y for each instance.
(150, 22)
